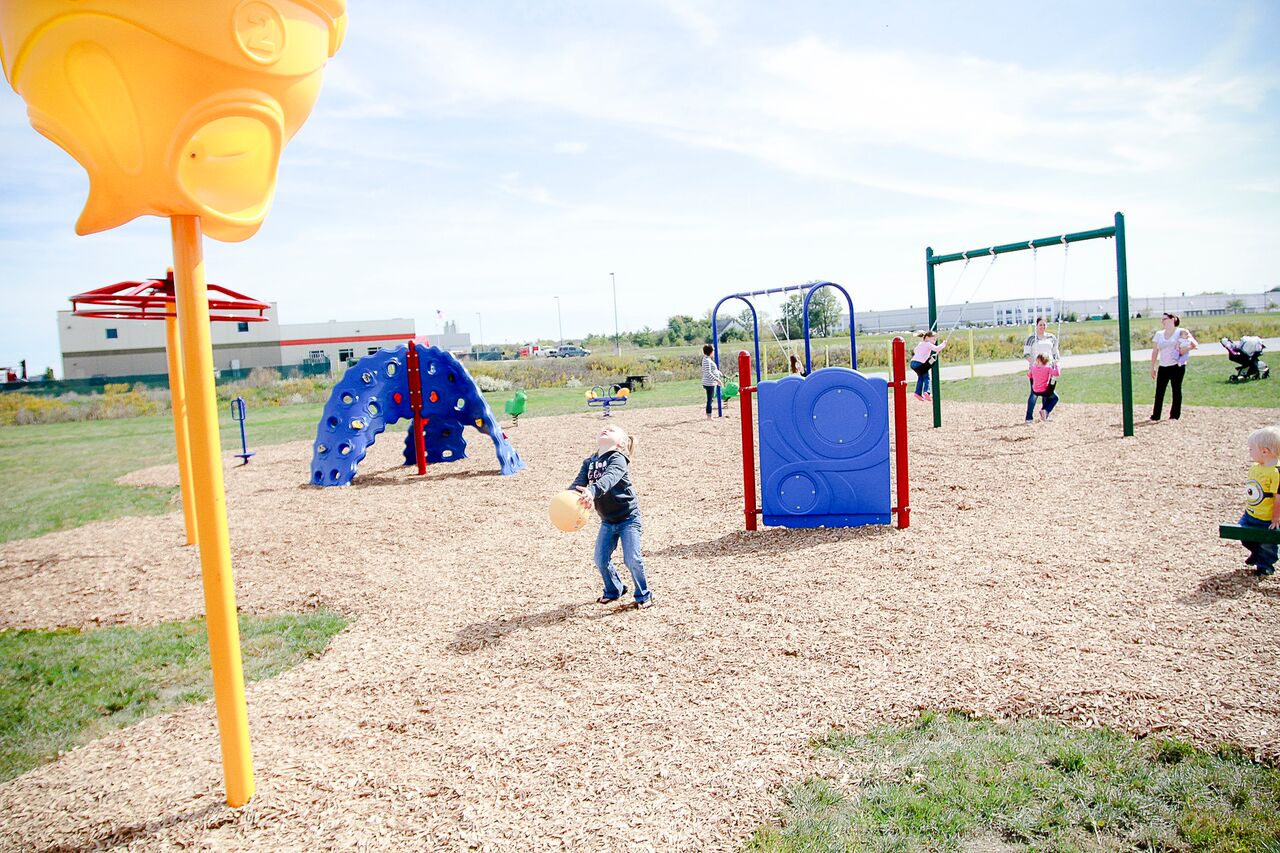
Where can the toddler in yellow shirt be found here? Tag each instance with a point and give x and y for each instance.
(1260, 497)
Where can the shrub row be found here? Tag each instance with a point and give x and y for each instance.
(115, 401)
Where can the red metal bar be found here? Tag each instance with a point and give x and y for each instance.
(903, 508)
(414, 378)
(745, 390)
(152, 299)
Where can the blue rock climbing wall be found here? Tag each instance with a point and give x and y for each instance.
(375, 394)
(824, 449)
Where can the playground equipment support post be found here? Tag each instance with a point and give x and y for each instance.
(971, 369)
(414, 380)
(192, 296)
(1122, 309)
(933, 324)
(182, 440)
(902, 476)
(745, 390)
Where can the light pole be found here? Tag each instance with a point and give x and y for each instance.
(617, 341)
(480, 320)
(559, 320)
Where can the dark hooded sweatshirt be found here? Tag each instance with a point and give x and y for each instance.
(606, 477)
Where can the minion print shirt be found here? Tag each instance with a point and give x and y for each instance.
(1260, 491)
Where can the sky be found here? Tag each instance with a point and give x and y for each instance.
(480, 159)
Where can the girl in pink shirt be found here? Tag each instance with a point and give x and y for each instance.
(1042, 373)
(922, 362)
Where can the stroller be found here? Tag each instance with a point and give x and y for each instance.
(1248, 355)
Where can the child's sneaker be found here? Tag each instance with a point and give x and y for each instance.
(928, 396)
(645, 605)
(1048, 416)
(920, 397)
(1265, 573)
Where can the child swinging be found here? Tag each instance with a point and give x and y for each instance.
(926, 352)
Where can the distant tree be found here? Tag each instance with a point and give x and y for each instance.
(1106, 315)
(791, 322)
(824, 312)
(1235, 306)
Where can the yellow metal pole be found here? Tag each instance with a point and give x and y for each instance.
(211, 508)
(178, 397)
(970, 352)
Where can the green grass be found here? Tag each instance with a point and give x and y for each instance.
(949, 782)
(61, 476)
(1205, 385)
(62, 688)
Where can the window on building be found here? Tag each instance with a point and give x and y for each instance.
(372, 350)
(242, 326)
(112, 334)
(346, 354)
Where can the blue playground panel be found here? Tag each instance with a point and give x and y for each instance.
(374, 394)
(824, 449)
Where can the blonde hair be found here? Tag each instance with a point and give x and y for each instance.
(1267, 438)
(628, 443)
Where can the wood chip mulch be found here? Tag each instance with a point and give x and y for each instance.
(480, 700)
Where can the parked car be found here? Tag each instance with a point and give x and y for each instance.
(571, 352)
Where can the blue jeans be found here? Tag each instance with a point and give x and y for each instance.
(1050, 400)
(711, 396)
(922, 369)
(628, 531)
(1263, 554)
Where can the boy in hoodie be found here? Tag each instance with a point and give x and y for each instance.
(605, 483)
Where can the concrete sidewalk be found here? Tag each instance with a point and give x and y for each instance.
(999, 368)
(1002, 368)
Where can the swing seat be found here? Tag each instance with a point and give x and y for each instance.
(1248, 534)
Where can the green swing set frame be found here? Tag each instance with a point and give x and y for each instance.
(1122, 302)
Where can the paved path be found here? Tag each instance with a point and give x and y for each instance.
(999, 368)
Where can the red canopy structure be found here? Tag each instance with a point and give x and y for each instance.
(153, 299)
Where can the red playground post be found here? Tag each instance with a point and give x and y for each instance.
(745, 390)
(415, 404)
(903, 509)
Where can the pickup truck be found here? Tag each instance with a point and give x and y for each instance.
(570, 352)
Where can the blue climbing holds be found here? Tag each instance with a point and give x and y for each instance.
(374, 394)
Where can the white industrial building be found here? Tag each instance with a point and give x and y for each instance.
(1017, 312)
(93, 347)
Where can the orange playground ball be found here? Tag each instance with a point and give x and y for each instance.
(567, 514)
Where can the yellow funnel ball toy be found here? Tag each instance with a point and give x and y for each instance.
(180, 108)
(173, 107)
(624, 392)
(567, 513)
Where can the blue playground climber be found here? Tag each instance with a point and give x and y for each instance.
(374, 394)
